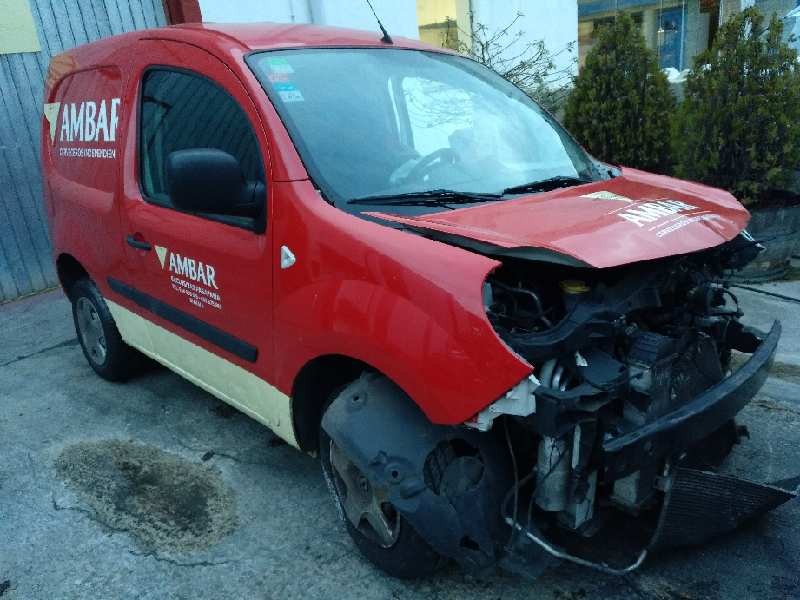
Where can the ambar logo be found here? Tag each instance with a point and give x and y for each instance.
(86, 121)
(645, 213)
(184, 266)
(161, 252)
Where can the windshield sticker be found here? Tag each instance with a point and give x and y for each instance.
(279, 65)
(191, 278)
(277, 77)
(289, 93)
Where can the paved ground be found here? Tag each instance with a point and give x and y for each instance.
(210, 505)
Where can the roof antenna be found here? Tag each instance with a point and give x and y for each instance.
(386, 39)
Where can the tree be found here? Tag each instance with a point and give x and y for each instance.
(531, 66)
(739, 125)
(621, 107)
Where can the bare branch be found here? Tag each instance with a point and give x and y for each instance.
(531, 66)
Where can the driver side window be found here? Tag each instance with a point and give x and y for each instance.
(182, 111)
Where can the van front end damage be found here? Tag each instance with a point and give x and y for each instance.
(655, 484)
(610, 449)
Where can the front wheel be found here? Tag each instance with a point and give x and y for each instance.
(102, 345)
(377, 529)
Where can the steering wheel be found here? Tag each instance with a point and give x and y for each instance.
(428, 163)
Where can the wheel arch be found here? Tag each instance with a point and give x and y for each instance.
(69, 270)
(313, 385)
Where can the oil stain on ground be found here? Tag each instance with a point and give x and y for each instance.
(167, 502)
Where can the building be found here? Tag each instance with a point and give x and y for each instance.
(677, 30)
(31, 31)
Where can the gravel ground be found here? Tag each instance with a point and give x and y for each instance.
(154, 489)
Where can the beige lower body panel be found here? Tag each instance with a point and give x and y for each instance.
(228, 382)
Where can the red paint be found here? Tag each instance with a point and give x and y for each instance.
(409, 306)
(592, 230)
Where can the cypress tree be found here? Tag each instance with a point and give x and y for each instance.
(739, 125)
(621, 107)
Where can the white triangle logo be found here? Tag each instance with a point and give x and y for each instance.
(162, 254)
(51, 114)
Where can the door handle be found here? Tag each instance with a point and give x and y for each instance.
(137, 242)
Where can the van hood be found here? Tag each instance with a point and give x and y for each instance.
(634, 217)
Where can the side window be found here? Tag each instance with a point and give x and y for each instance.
(182, 111)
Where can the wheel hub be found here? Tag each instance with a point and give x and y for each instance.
(365, 506)
(90, 329)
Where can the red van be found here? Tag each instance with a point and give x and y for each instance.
(501, 348)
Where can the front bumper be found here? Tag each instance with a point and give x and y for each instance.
(678, 430)
(697, 505)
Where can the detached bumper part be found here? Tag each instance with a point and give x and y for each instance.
(700, 506)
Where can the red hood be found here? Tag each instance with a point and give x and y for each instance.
(636, 216)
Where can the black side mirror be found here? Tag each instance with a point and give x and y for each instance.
(207, 180)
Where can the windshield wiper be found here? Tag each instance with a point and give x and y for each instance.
(427, 198)
(545, 185)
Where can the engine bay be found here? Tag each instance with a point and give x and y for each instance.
(617, 353)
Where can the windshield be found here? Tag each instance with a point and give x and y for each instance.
(382, 122)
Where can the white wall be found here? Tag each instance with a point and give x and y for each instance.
(554, 21)
(399, 16)
(242, 11)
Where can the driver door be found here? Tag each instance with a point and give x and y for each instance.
(201, 282)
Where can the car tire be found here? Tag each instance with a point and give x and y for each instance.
(102, 345)
(408, 557)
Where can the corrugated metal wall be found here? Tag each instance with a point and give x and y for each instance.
(25, 261)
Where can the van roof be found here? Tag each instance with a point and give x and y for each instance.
(263, 36)
(227, 38)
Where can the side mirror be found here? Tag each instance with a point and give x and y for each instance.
(207, 180)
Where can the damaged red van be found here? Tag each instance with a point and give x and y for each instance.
(501, 349)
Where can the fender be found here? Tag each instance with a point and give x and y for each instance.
(409, 306)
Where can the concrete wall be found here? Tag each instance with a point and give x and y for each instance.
(697, 32)
(778, 7)
(399, 16)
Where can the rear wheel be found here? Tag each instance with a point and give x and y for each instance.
(102, 345)
(377, 529)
